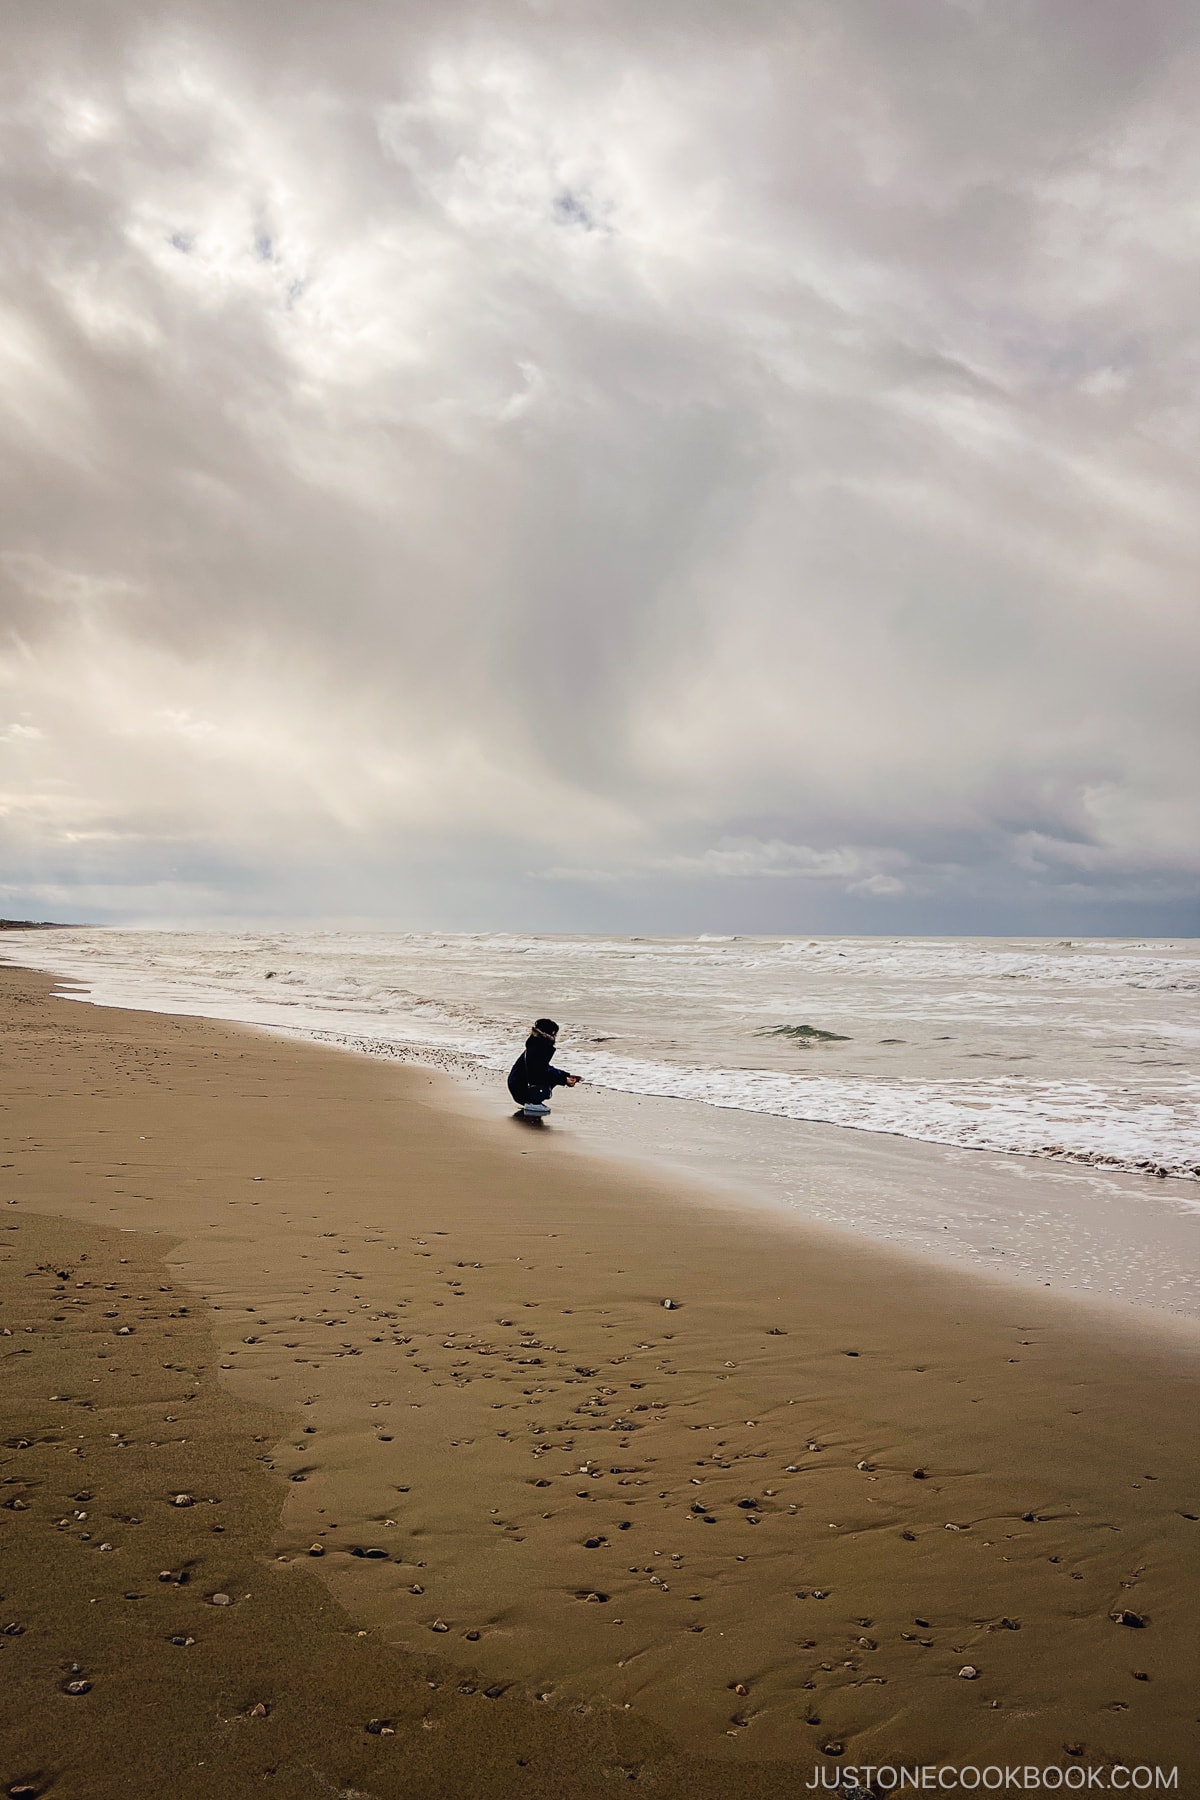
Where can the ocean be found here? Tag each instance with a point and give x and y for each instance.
(1084, 1054)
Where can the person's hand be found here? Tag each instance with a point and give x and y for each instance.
(574, 1080)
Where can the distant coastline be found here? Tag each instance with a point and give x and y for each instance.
(39, 925)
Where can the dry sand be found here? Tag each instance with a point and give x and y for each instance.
(705, 1549)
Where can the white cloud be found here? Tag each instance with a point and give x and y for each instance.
(704, 450)
(852, 869)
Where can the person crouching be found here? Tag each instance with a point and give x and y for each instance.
(533, 1076)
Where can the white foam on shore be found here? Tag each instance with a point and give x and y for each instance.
(1070, 1119)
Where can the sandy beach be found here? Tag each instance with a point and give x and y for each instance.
(349, 1448)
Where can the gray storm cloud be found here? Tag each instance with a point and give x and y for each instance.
(599, 465)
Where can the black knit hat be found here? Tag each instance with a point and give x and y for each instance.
(546, 1026)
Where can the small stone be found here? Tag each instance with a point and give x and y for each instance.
(183, 1642)
(920, 1475)
(380, 1728)
(1139, 1674)
(740, 1688)
(78, 1687)
(439, 1625)
(472, 1637)
(416, 1588)
(1125, 1617)
(375, 1555)
(833, 1748)
(316, 1549)
(182, 1500)
(221, 1600)
(104, 1546)
(968, 1672)
(670, 1305)
(260, 1711)
(125, 1331)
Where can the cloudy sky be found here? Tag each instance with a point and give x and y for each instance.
(717, 464)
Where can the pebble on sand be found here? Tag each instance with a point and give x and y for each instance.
(220, 1600)
(1125, 1617)
(316, 1549)
(182, 1500)
(968, 1672)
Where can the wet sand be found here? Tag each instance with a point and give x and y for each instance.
(706, 1548)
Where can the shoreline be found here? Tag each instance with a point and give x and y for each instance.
(1082, 1063)
(1003, 1219)
(368, 1258)
(1114, 1240)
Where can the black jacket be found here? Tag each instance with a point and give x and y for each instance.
(533, 1074)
